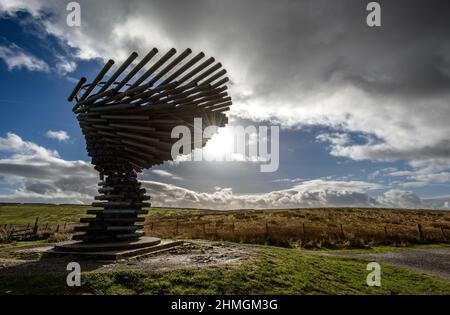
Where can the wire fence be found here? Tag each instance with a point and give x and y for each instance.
(249, 230)
(305, 233)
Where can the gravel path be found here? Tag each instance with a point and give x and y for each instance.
(433, 261)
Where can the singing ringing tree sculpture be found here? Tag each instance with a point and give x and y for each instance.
(127, 121)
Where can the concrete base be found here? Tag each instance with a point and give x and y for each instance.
(113, 250)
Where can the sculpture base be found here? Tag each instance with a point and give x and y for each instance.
(113, 250)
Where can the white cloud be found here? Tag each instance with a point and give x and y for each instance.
(423, 176)
(10, 7)
(60, 135)
(400, 199)
(315, 193)
(42, 176)
(64, 65)
(288, 180)
(164, 173)
(17, 58)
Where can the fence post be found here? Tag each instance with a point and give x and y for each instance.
(151, 226)
(342, 231)
(46, 227)
(10, 234)
(204, 229)
(385, 232)
(443, 233)
(419, 228)
(57, 228)
(36, 226)
(232, 228)
(304, 231)
(176, 229)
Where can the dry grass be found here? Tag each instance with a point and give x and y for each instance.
(308, 228)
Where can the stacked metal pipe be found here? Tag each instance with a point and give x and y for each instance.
(127, 121)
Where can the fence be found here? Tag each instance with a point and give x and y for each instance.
(309, 235)
(258, 232)
(28, 231)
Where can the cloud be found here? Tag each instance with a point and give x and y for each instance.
(314, 193)
(42, 176)
(164, 173)
(383, 94)
(10, 7)
(17, 58)
(13, 143)
(60, 135)
(288, 180)
(400, 199)
(312, 63)
(64, 66)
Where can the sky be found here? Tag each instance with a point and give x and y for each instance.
(363, 111)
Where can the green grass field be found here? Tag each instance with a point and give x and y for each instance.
(60, 214)
(273, 271)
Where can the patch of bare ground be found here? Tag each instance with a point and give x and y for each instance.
(192, 254)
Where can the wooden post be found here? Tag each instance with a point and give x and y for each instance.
(232, 228)
(176, 229)
(303, 226)
(443, 233)
(10, 234)
(36, 226)
(385, 232)
(342, 231)
(267, 229)
(204, 228)
(46, 227)
(151, 226)
(57, 228)
(419, 228)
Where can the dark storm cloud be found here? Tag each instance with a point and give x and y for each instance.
(315, 41)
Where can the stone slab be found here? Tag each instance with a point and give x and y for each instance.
(78, 246)
(118, 253)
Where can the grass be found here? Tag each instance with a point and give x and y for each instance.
(23, 214)
(52, 214)
(384, 248)
(273, 271)
(320, 228)
(22, 244)
(329, 228)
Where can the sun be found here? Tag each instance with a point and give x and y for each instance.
(220, 145)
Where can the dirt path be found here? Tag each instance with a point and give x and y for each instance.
(433, 261)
